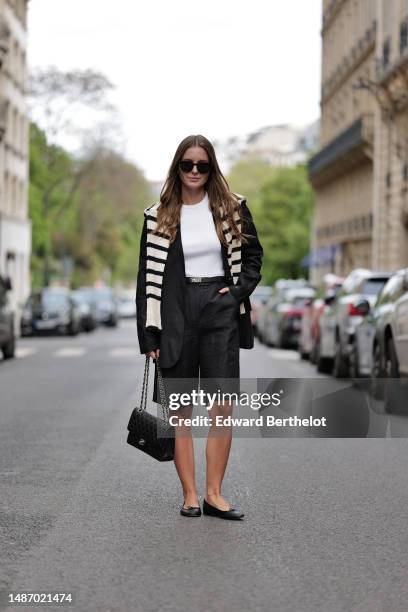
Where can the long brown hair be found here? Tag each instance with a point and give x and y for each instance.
(219, 194)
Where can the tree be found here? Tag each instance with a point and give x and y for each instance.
(247, 176)
(285, 211)
(62, 103)
(98, 226)
(110, 206)
(49, 189)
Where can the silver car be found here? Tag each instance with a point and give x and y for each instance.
(343, 314)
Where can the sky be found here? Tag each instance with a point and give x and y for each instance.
(217, 67)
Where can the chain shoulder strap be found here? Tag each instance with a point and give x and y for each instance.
(143, 401)
(163, 399)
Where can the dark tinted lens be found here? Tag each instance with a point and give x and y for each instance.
(203, 167)
(186, 165)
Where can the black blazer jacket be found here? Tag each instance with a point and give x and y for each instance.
(169, 339)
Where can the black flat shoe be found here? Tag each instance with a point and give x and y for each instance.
(232, 513)
(190, 511)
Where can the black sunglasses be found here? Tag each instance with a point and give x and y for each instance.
(203, 167)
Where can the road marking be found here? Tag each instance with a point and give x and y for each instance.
(73, 351)
(283, 355)
(25, 351)
(123, 351)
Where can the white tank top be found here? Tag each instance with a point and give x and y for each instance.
(201, 245)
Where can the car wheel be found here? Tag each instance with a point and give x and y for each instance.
(354, 369)
(281, 341)
(313, 355)
(9, 349)
(73, 329)
(377, 375)
(303, 355)
(340, 365)
(324, 365)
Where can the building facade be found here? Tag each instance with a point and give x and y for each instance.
(15, 226)
(360, 173)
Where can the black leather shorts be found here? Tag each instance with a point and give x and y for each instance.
(210, 342)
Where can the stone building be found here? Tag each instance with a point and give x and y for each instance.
(360, 173)
(15, 227)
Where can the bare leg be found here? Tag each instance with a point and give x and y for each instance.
(217, 453)
(184, 458)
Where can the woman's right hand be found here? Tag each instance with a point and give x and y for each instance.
(154, 354)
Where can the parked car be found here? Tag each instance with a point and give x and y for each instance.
(276, 295)
(7, 335)
(106, 304)
(390, 339)
(88, 312)
(390, 345)
(341, 316)
(308, 336)
(309, 332)
(51, 309)
(127, 304)
(259, 297)
(369, 332)
(284, 318)
(399, 325)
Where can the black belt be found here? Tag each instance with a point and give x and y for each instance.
(205, 279)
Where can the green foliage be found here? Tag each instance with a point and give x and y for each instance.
(247, 176)
(281, 202)
(50, 169)
(87, 210)
(286, 204)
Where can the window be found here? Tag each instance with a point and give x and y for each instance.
(386, 54)
(373, 286)
(392, 290)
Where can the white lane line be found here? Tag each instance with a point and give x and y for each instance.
(123, 351)
(25, 351)
(284, 355)
(72, 351)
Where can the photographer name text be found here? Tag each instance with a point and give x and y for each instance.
(260, 421)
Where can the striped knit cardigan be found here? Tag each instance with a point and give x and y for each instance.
(157, 247)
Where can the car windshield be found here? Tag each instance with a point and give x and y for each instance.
(81, 296)
(98, 294)
(373, 286)
(49, 300)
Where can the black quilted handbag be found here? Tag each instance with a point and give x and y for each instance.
(148, 433)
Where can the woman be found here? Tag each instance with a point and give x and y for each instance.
(200, 259)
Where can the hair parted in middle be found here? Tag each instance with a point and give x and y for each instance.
(219, 194)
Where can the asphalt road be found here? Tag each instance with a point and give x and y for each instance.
(83, 512)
